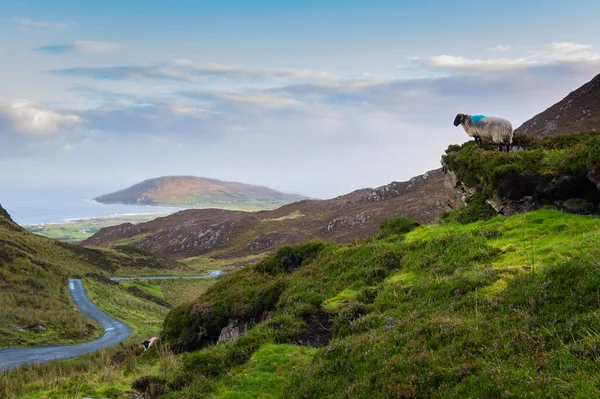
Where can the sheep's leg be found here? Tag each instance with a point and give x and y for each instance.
(499, 147)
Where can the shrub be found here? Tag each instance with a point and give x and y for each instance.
(396, 226)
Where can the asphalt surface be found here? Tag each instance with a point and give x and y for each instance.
(115, 331)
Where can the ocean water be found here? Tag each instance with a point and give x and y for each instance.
(28, 206)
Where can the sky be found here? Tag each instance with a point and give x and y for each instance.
(312, 97)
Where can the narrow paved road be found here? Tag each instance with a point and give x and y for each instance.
(115, 331)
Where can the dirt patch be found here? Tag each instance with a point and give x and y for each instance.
(319, 331)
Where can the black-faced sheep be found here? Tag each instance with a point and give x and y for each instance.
(489, 128)
(148, 343)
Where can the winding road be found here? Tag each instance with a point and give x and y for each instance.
(115, 331)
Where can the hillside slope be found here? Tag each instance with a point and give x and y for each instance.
(502, 308)
(507, 307)
(199, 191)
(35, 307)
(230, 234)
(578, 112)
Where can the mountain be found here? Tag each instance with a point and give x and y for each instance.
(35, 308)
(577, 112)
(199, 191)
(227, 234)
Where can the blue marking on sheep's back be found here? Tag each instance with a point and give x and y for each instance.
(477, 118)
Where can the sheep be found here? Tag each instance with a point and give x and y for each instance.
(148, 343)
(496, 130)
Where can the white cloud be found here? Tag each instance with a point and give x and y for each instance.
(463, 63)
(570, 51)
(185, 70)
(33, 120)
(26, 24)
(569, 47)
(545, 55)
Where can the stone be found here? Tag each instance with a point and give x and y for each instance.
(233, 331)
(576, 205)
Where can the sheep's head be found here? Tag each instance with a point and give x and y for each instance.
(459, 119)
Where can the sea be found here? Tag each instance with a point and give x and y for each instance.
(29, 206)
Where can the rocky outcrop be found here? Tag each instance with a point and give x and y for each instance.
(456, 191)
(527, 192)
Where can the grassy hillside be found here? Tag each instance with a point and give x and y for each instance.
(190, 191)
(498, 308)
(35, 307)
(506, 307)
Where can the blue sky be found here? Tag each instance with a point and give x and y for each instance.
(314, 97)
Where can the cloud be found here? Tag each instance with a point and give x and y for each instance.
(463, 63)
(500, 48)
(79, 47)
(26, 24)
(569, 47)
(184, 70)
(556, 52)
(32, 120)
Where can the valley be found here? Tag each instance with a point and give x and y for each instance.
(479, 279)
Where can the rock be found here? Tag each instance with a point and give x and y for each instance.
(232, 331)
(456, 191)
(21, 329)
(38, 329)
(524, 204)
(576, 205)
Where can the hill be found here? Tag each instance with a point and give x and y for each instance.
(190, 191)
(506, 307)
(222, 234)
(35, 307)
(578, 112)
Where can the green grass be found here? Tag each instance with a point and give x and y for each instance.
(205, 263)
(145, 317)
(174, 291)
(507, 307)
(64, 233)
(265, 374)
(79, 230)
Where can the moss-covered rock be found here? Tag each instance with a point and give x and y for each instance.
(549, 171)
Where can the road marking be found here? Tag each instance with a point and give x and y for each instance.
(71, 285)
(109, 328)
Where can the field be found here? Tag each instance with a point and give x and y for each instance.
(78, 230)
